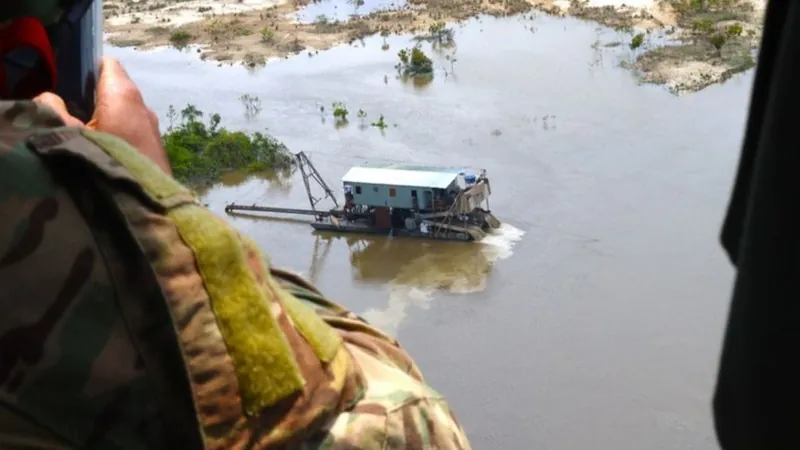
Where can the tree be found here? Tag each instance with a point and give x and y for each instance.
(440, 34)
(252, 105)
(172, 116)
(340, 113)
(191, 113)
(718, 40)
(199, 152)
(637, 41)
(414, 63)
(267, 35)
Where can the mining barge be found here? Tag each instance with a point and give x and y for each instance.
(398, 200)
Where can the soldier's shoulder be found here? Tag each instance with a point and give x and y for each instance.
(397, 411)
(22, 173)
(22, 115)
(19, 120)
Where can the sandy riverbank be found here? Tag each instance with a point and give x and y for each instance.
(253, 31)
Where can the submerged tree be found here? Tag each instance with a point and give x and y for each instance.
(380, 123)
(637, 41)
(252, 105)
(340, 114)
(414, 63)
(362, 118)
(718, 40)
(438, 33)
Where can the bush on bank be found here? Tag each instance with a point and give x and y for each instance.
(199, 152)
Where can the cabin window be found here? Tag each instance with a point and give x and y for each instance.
(358, 189)
(392, 192)
(375, 189)
(413, 193)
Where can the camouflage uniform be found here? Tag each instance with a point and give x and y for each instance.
(134, 318)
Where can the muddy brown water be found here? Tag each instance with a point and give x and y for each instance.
(593, 320)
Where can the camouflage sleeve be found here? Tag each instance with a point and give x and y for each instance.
(69, 373)
(394, 407)
(398, 410)
(67, 358)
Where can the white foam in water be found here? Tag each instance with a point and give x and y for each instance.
(499, 244)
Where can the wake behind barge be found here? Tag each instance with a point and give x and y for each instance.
(398, 200)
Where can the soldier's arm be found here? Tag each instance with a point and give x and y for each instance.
(394, 408)
(62, 340)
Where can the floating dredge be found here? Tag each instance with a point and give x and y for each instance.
(398, 200)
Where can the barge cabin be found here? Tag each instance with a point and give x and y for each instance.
(414, 200)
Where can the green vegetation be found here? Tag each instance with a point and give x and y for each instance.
(324, 25)
(703, 26)
(180, 38)
(414, 63)
(708, 18)
(380, 123)
(685, 7)
(438, 34)
(717, 40)
(734, 30)
(711, 25)
(199, 152)
(267, 35)
(718, 35)
(362, 116)
(340, 113)
(637, 41)
(225, 29)
(254, 60)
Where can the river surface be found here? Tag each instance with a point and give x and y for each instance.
(593, 319)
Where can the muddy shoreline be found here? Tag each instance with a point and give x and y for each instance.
(710, 40)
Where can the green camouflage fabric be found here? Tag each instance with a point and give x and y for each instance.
(151, 323)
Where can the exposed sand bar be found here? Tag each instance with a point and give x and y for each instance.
(253, 31)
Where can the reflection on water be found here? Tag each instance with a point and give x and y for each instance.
(278, 180)
(419, 83)
(322, 246)
(235, 178)
(413, 269)
(269, 184)
(416, 270)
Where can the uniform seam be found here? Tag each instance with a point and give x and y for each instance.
(414, 401)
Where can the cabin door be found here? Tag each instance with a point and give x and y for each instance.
(414, 199)
(428, 197)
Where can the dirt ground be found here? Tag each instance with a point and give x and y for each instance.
(253, 31)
